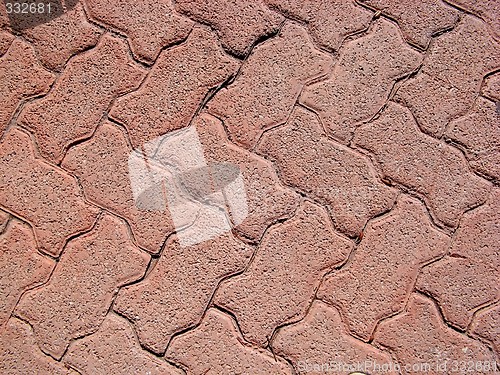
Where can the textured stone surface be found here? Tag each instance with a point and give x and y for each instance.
(216, 347)
(326, 20)
(361, 80)
(176, 293)
(76, 299)
(381, 274)
(331, 173)
(487, 325)
(491, 87)
(238, 23)
(488, 10)
(114, 350)
(44, 195)
(175, 88)
(474, 252)
(268, 84)
(419, 336)
(418, 20)
(22, 267)
(288, 267)
(436, 170)
(4, 219)
(451, 76)
(150, 25)
(21, 77)
(6, 40)
(321, 338)
(81, 97)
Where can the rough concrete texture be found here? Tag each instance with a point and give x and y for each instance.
(250, 187)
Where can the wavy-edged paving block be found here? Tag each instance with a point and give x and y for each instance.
(419, 337)
(114, 350)
(491, 87)
(488, 10)
(361, 80)
(21, 76)
(44, 195)
(384, 268)
(81, 97)
(320, 343)
(331, 173)
(432, 168)
(328, 21)
(268, 84)
(20, 354)
(486, 324)
(473, 268)
(238, 23)
(451, 76)
(22, 266)
(77, 297)
(289, 264)
(216, 346)
(176, 86)
(176, 293)
(418, 20)
(150, 25)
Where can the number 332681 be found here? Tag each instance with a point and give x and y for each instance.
(25, 8)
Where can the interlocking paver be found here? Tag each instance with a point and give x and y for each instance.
(361, 80)
(216, 347)
(321, 338)
(487, 325)
(451, 76)
(434, 169)
(479, 132)
(369, 288)
(21, 76)
(59, 39)
(175, 294)
(114, 350)
(81, 97)
(329, 21)
(288, 267)
(238, 23)
(78, 295)
(175, 88)
(44, 195)
(491, 87)
(474, 252)
(418, 20)
(488, 10)
(331, 173)
(22, 267)
(419, 337)
(150, 25)
(6, 40)
(269, 82)
(19, 353)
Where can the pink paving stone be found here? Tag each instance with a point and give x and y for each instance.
(361, 80)
(20, 355)
(150, 25)
(81, 97)
(333, 174)
(238, 23)
(321, 338)
(451, 76)
(21, 77)
(491, 87)
(268, 85)
(22, 266)
(488, 10)
(62, 37)
(114, 350)
(6, 40)
(287, 269)
(380, 276)
(430, 167)
(176, 293)
(479, 132)
(216, 346)
(419, 336)
(44, 195)
(328, 22)
(473, 268)
(418, 20)
(80, 292)
(175, 87)
(486, 324)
